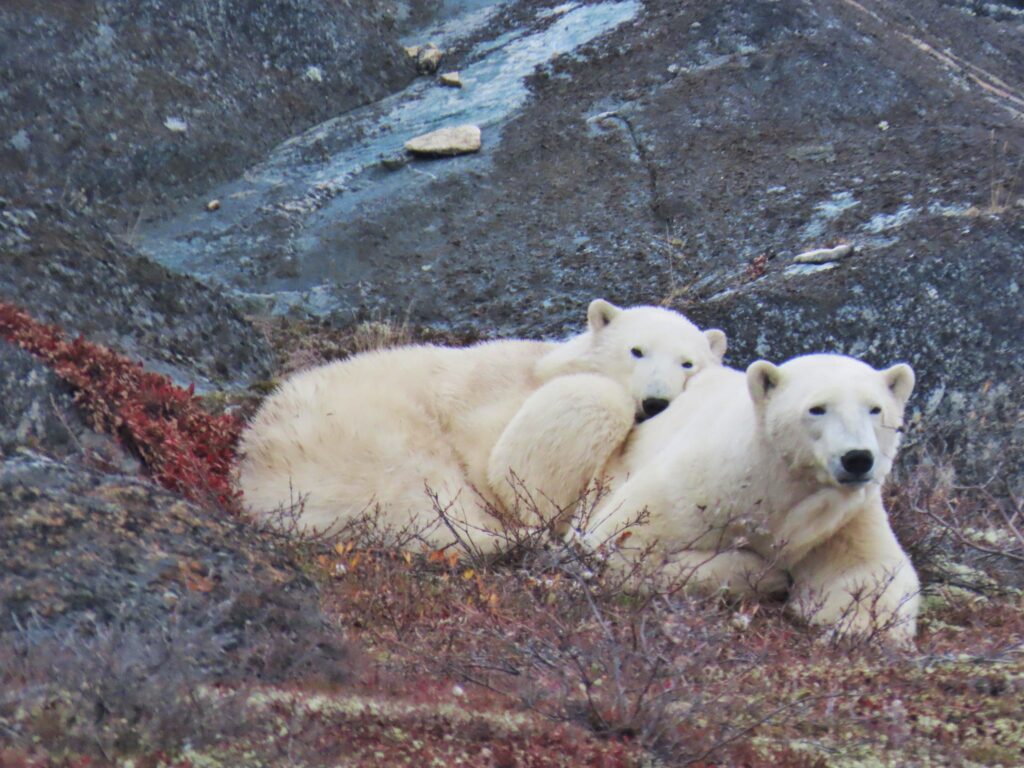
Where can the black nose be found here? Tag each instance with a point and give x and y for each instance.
(858, 463)
(654, 405)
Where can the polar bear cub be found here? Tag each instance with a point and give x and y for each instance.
(476, 426)
(749, 476)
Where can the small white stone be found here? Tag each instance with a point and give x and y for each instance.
(458, 691)
(175, 125)
(824, 255)
(20, 141)
(451, 79)
(741, 621)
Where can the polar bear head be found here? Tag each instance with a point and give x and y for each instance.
(835, 420)
(651, 351)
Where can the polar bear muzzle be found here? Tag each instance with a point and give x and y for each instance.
(856, 466)
(651, 406)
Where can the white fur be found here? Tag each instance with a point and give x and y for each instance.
(382, 428)
(744, 483)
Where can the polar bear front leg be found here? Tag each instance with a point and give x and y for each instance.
(557, 443)
(738, 573)
(860, 582)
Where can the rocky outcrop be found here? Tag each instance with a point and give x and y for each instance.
(109, 101)
(91, 547)
(67, 269)
(38, 411)
(85, 551)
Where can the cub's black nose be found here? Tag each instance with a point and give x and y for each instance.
(858, 463)
(653, 406)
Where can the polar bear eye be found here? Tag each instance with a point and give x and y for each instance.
(876, 410)
(636, 352)
(687, 364)
(817, 410)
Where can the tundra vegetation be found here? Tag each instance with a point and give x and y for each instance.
(538, 656)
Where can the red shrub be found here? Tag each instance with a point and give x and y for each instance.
(185, 448)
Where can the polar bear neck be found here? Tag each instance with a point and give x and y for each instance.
(575, 355)
(801, 512)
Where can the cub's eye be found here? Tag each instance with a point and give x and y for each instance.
(818, 410)
(636, 352)
(876, 410)
(687, 364)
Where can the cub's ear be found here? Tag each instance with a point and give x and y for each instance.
(717, 340)
(600, 313)
(762, 379)
(900, 380)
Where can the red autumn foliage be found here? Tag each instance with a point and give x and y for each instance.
(185, 448)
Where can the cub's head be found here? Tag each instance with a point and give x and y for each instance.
(651, 351)
(833, 418)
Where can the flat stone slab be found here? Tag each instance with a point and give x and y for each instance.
(461, 140)
(824, 255)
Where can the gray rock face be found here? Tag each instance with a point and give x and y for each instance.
(37, 411)
(83, 551)
(113, 100)
(65, 268)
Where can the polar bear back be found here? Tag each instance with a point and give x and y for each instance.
(713, 418)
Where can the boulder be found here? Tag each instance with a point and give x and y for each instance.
(461, 140)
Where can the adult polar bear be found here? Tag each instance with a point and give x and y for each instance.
(779, 469)
(381, 428)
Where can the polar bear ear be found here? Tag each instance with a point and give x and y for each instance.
(600, 313)
(762, 379)
(900, 380)
(718, 342)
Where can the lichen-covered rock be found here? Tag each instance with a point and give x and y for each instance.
(109, 101)
(37, 410)
(67, 269)
(83, 550)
